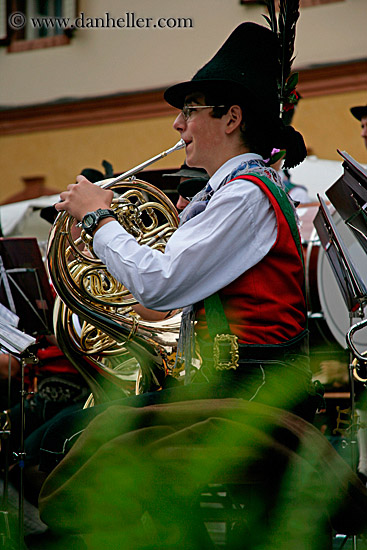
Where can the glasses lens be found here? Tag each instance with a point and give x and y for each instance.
(187, 112)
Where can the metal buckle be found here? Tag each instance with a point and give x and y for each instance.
(225, 352)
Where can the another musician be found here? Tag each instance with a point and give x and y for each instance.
(190, 182)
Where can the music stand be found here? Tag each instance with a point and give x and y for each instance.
(17, 343)
(24, 286)
(349, 196)
(25, 290)
(351, 285)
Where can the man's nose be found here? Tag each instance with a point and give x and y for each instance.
(180, 123)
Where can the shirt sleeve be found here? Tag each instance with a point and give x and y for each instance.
(234, 232)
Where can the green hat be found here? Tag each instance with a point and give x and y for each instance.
(359, 112)
(246, 65)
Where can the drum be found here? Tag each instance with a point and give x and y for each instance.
(327, 311)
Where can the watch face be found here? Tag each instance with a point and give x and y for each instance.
(88, 221)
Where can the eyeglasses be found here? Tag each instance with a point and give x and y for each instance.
(189, 109)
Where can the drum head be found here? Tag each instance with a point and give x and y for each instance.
(332, 303)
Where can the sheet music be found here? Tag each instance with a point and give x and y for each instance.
(14, 340)
(8, 316)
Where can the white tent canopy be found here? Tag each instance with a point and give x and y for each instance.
(22, 219)
(317, 175)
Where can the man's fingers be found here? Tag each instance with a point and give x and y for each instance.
(82, 179)
(59, 206)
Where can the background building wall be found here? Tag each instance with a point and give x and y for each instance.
(109, 60)
(101, 62)
(62, 154)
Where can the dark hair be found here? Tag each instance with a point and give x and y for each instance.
(261, 132)
(254, 133)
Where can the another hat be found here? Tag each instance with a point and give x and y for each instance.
(359, 112)
(49, 213)
(187, 172)
(190, 187)
(92, 175)
(246, 64)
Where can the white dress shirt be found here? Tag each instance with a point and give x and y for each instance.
(234, 232)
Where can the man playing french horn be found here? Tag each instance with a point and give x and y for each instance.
(235, 263)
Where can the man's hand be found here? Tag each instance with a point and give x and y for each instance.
(83, 197)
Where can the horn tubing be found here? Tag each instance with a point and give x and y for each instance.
(151, 343)
(179, 145)
(349, 338)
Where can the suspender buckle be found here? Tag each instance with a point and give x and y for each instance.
(225, 352)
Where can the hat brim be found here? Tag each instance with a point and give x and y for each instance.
(187, 173)
(359, 112)
(175, 95)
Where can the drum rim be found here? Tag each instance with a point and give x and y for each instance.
(336, 325)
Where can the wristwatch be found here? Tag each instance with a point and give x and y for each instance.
(92, 219)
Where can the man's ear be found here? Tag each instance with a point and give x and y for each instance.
(234, 118)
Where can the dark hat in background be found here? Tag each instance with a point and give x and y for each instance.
(359, 112)
(190, 187)
(187, 172)
(92, 175)
(234, 70)
(49, 213)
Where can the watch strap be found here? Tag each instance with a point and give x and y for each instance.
(98, 215)
(105, 213)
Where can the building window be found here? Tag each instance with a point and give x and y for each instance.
(33, 24)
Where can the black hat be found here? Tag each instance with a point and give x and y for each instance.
(246, 70)
(245, 65)
(190, 187)
(92, 175)
(187, 172)
(359, 112)
(49, 213)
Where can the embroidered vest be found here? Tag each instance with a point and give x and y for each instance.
(265, 305)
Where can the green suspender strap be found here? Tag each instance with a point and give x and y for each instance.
(225, 344)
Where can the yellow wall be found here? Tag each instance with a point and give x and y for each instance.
(327, 125)
(103, 61)
(60, 155)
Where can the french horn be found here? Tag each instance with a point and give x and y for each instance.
(95, 324)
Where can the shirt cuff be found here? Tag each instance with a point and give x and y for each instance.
(105, 234)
